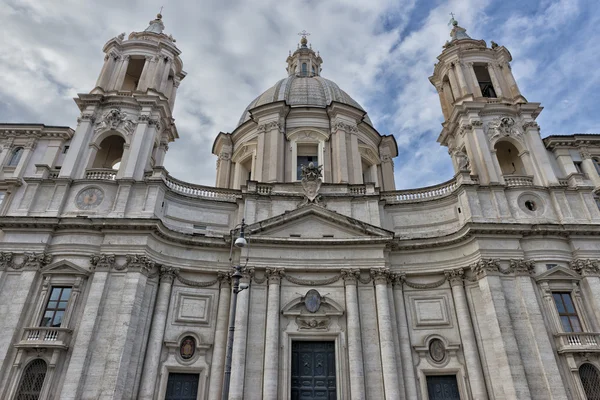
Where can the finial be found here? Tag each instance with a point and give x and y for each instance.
(159, 15)
(304, 40)
(452, 22)
(457, 31)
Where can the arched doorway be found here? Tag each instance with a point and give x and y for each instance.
(508, 158)
(590, 381)
(32, 380)
(110, 153)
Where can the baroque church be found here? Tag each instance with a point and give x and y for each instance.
(303, 273)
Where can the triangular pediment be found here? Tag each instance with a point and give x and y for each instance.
(558, 274)
(64, 267)
(314, 222)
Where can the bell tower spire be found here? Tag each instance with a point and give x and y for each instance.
(489, 127)
(126, 120)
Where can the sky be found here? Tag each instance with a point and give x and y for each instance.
(381, 52)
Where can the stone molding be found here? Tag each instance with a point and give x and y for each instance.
(31, 261)
(530, 125)
(484, 266)
(103, 261)
(487, 266)
(521, 267)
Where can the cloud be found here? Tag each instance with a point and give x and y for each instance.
(381, 52)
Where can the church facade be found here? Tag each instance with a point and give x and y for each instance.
(116, 278)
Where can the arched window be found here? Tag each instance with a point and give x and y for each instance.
(110, 153)
(304, 69)
(590, 381)
(15, 157)
(508, 158)
(32, 380)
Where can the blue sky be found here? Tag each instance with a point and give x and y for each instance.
(379, 51)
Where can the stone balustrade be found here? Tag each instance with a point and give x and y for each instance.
(47, 337)
(101, 174)
(518, 180)
(192, 190)
(427, 193)
(577, 342)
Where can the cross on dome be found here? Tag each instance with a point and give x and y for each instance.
(304, 40)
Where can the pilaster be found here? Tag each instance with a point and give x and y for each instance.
(238, 364)
(218, 360)
(355, 354)
(271, 364)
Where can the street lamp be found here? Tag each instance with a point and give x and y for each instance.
(240, 243)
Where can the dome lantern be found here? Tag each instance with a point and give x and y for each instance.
(304, 61)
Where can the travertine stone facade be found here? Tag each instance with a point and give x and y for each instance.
(459, 280)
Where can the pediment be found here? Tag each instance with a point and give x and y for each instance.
(64, 267)
(558, 274)
(315, 222)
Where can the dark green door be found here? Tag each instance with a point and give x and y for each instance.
(313, 371)
(442, 387)
(182, 387)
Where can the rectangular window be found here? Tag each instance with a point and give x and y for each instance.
(566, 312)
(484, 80)
(182, 386)
(56, 306)
(578, 166)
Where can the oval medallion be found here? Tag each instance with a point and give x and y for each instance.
(437, 350)
(312, 301)
(187, 347)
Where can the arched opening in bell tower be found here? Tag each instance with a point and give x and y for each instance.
(484, 80)
(447, 89)
(133, 74)
(110, 153)
(509, 159)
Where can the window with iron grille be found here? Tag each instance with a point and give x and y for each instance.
(590, 381)
(32, 380)
(567, 312)
(56, 306)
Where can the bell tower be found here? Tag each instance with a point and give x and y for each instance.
(489, 127)
(126, 121)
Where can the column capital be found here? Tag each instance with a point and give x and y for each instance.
(274, 275)
(167, 274)
(381, 276)
(522, 267)
(350, 276)
(585, 267)
(337, 125)
(455, 276)
(484, 266)
(224, 278)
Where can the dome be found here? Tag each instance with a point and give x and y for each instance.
(313, 91)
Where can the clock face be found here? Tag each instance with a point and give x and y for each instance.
(89, 198)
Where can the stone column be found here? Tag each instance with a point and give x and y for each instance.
(440, 91)
(461, 78)
(355, 162)
(107, 69)
(539, 154)
(85, 332)
(271, 365)
(386, 340)
(471, 70)
(498, 334)
(273, 170)
(146, 72)
(165, 74)
(257, 164)
(218, 359)
(121, 75)
(238, 365)
(408, 371)
(469, 343)
(590, 285)
(355, 355)
(454, 84)
(339, 160)
(495, 80)
(173, 94)
(157, 332)
(510, 80)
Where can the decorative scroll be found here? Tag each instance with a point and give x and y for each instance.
(310, 282)
(30, 260)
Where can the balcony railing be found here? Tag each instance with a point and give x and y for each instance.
(46, 337)
(518, 180)
(189, 189)
(101, 174)
(427, 193)
(572, 342)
